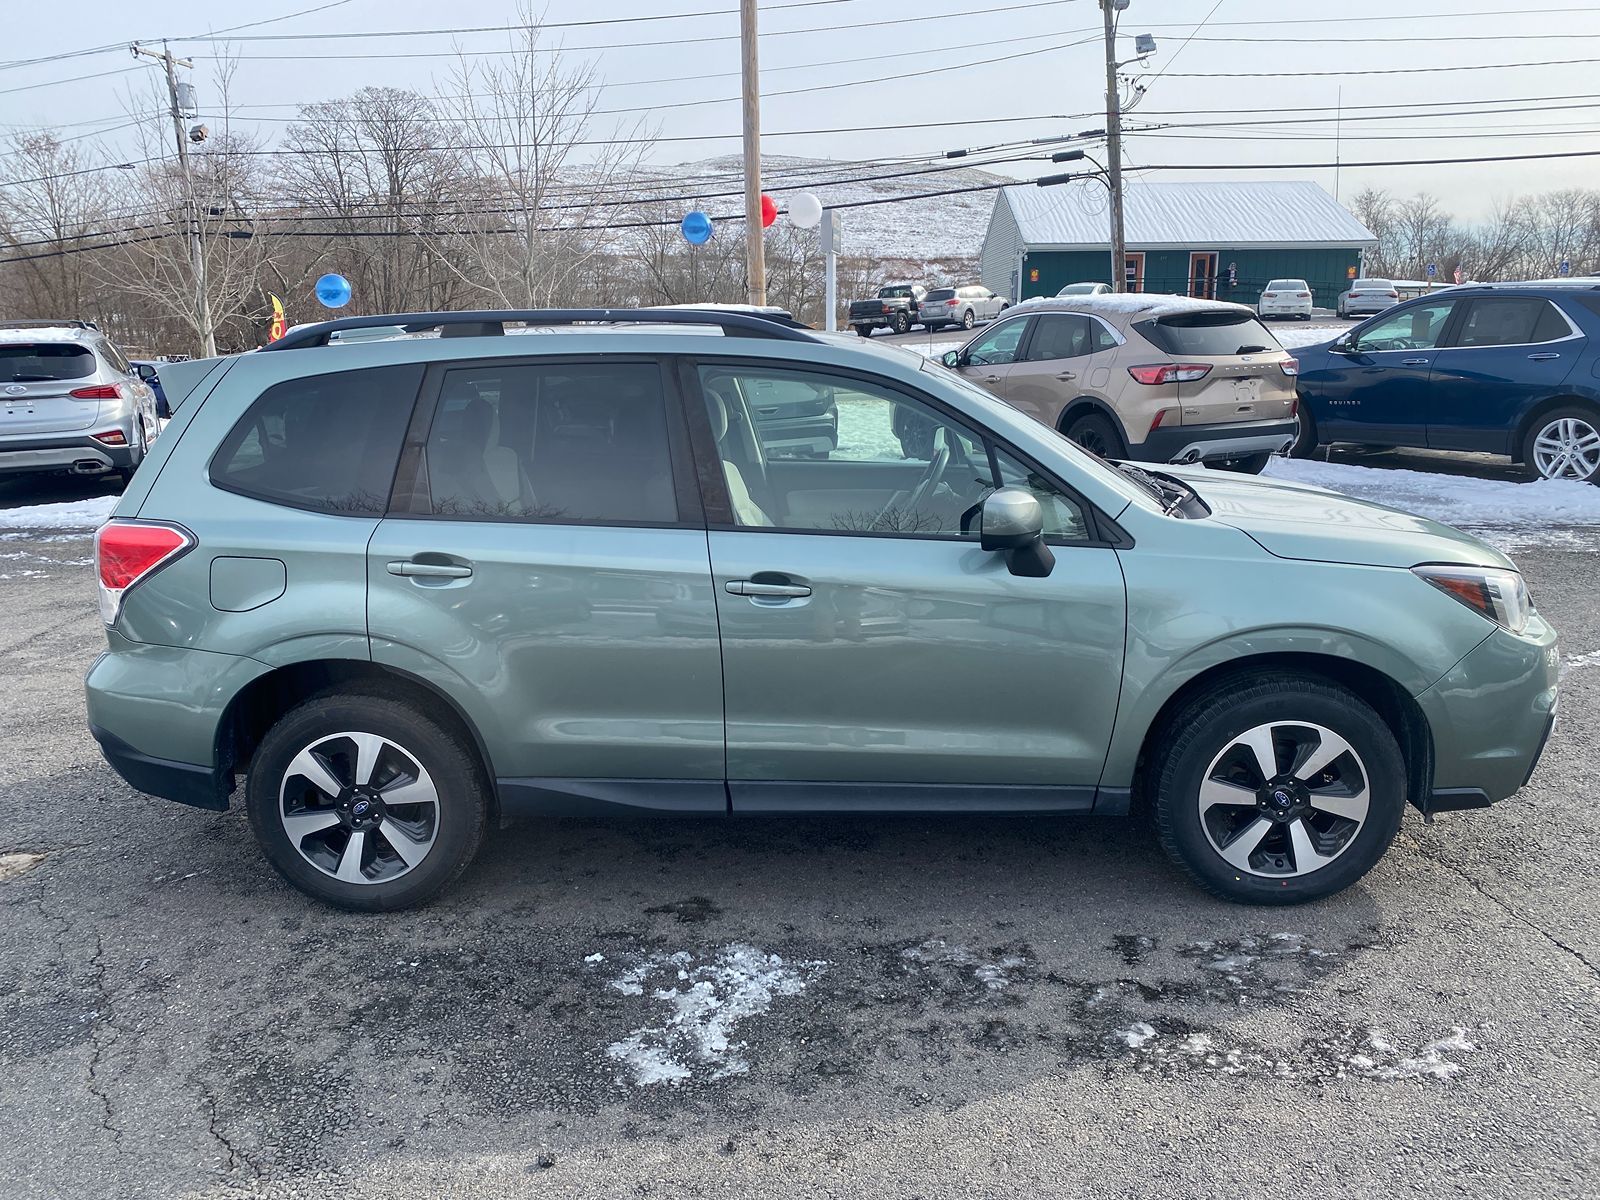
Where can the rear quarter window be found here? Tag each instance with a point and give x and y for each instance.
(43, 362)
(1208, 334)
(329, 443)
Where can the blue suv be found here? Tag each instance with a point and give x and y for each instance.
(1509, 369)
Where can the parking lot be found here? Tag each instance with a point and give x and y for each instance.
(903, 1007)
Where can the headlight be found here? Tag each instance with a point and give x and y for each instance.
(1500, 595)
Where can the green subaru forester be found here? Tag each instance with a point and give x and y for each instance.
(410, 587)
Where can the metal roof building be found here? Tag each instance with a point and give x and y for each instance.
(1191, 238)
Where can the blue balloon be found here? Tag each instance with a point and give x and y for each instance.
(333, 291)
(697, 228)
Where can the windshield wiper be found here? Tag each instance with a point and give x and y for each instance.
(1170, 492)
(1252, 349)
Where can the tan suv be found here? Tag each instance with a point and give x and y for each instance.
(1156, 378)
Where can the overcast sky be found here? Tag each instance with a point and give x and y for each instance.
(1051, 76)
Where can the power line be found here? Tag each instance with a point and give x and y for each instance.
(1231, 74)
(31, 87)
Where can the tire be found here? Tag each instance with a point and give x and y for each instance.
(862, 330)
(900, 322)
(436, 761)
(1564, 444)
(1096, 434)
(967, 321)
(1252, 464)
(1203, 743)
(1305, 433)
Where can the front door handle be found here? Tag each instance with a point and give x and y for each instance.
(991, 379)
(749, 587)
(1066, 375)
(1415, 362)
(1544, 357)
(405, 566)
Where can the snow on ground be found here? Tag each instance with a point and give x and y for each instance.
(71, 514)
(1292, 337)
(706, 1001)
(1549, 512)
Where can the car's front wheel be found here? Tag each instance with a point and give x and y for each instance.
(1276, 789)
(902, 322)
(1565, 444)
(365, 802)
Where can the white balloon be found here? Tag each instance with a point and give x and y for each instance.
(805, 210)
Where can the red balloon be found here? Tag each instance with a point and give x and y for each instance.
(769, 211)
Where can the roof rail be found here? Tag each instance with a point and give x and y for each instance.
(491, 323)
(44, 324)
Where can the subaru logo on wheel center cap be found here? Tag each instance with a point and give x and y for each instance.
(1282, 798)
(362, 807)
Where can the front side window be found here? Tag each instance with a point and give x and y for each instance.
(1511, 321)
(557, 442)
(1060, 335)
(327, 442)
(1416, 328)
(901, 466)
(998, 346)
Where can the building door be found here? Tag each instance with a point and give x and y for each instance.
(1203, 274)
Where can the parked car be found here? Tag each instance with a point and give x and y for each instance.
(948, 308)
(1509, 369)
(1367, 296)
(1285, 298)
(150, 371)
(1086, 289)
(1156, 378)
(896, 307)
(70, 402)
(409, 588)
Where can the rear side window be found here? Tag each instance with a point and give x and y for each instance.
(43, 362)
(116, 358)
(1208, 334)
(557, 442)
(1511, 321)
(328, 443)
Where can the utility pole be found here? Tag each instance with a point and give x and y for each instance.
(754, 247)
(1119, 257)
(197, 258)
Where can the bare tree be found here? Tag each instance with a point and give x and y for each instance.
(549, 201)
(48, 220)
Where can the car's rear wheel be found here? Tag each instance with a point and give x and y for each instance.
(1095, 433)
(1305, 433)
(1250, 464)
(365, 802)
(1565, 444)
(902, 322)
(862, 330)
(967, 320)
(1277, 789)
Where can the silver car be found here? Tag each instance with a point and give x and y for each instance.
(946, 308)
(70, 402)
(1368, 296)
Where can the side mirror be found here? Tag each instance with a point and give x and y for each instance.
(951, 359)
(1012, 520)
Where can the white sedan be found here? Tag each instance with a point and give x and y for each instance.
(1085, 289)
(1285, 298)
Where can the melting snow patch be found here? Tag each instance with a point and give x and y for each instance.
(706, 1001)
(594, 958)
(993, 975)
(73, 514)
(1578, 662)
(1136, 1035)
(1383, 1060)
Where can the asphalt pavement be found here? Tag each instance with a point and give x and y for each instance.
(798, 1008)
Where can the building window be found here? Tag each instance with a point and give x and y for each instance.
(1134, 264)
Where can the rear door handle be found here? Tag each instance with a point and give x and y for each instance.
(1415, 362)
(405, 566)
(749, 587)
(1545, 357)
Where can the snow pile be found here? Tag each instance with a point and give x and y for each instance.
(72, 514)
(1453, 499)
(705, 1002)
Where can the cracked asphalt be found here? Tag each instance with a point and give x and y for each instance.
(905, 1008)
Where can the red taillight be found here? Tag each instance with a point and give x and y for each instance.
(1302, 295)
(952, 303)
(114, 438)
(1291, 366)
(100, 391)
(1154, 376)
(125, 552)
(1294, 407)
(1393, 295)
(1270, 295)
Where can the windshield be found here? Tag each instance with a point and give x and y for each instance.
(44, 362)
(1216, 334)
(894, 291)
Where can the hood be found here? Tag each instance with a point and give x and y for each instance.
(1296, 520)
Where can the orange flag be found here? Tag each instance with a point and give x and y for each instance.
(279, 323)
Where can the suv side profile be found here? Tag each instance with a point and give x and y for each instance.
(960, 307)
(408, 589)
(70, 402)
(1147, 377)
(1510, 369)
